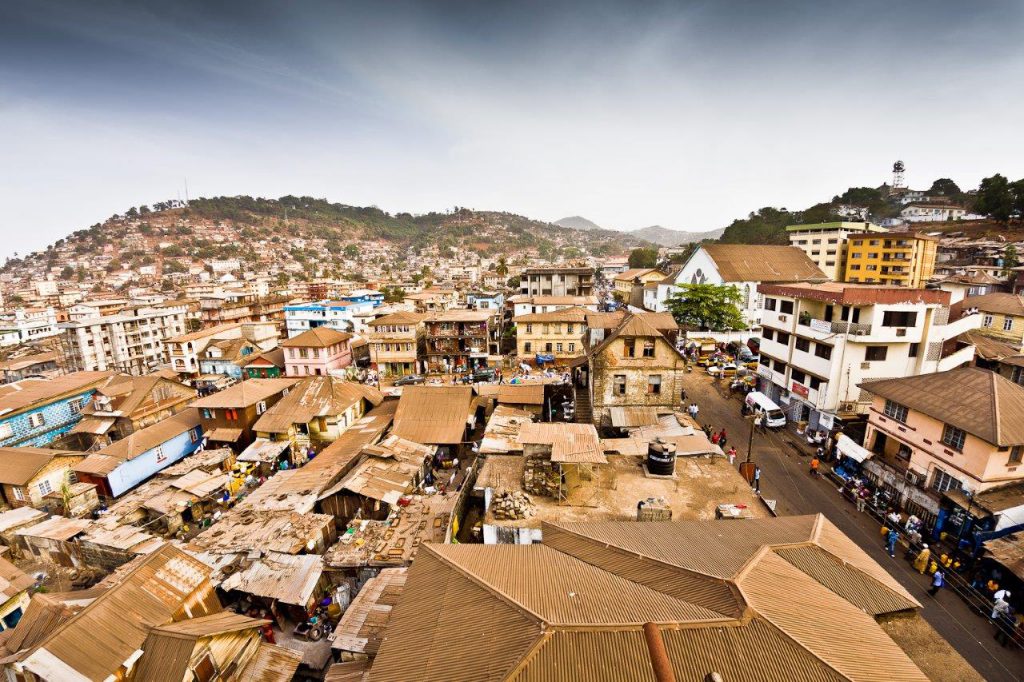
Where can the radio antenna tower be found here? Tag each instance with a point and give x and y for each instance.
(897, 175)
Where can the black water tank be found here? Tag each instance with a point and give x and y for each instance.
(661, 457)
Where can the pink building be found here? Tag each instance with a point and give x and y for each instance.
(945, 440)
(318, 351)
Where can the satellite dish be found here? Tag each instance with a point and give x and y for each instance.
(898, 167)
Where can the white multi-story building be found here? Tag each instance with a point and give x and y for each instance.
(825, 243)
(344, 316)
(744, 266)
(933, 213)
(183, 352)
(131, 341)
(819, 341)
(28, 324)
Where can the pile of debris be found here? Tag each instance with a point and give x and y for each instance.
(512, 505)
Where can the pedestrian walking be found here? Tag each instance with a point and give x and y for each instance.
(814, 466)
(938, 580)
(758, 421)
(757, 479)
(716, 438)
(721, 438)
(732, 455)
(890, 542)
(921, 562)
(1001, 604)
(682, 395)
(862, 499)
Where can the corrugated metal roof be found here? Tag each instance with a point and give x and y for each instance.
(762, 263)
(590, 596)
(349, 671)
(288, 578)
(388, 470)
(20, 465)
(318, 337)
(846, 580)
(264, 450)
(623, 417)
(521, 394)
(501, 436)
(361, 627)
(56, 528)
(785, 597)
(12, 580)
(433, 414)
(96, 642)
(222, 434)
(148, 438)
(245, 393)
(271, 664)
(979, 401)
(12, 518)
(318, 396)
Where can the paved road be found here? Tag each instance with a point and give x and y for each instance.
(784, 478)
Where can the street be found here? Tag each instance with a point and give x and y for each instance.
(785, 478)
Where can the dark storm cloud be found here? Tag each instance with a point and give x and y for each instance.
(683, 113)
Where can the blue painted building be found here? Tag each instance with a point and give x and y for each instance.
(124, 464)
(338, 315)
(485, 300)
(227, 358)
(35, 412)
(374, 298)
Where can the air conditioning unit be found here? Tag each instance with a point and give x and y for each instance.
(783, 318)
(847, 407)
(865, 365)
(901, 331)
(912, 477)
(860, 332)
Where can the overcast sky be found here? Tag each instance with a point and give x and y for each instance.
(685, 114)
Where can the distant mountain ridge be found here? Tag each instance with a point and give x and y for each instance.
(668, 237)
(655, 233)
(576, 222)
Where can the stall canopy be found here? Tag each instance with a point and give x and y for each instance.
(850, 449)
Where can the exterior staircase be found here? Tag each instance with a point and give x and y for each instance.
(584, 410)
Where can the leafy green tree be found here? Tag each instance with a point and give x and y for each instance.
(351, 251)
(945, 187)
(502, 267)
(67, 272)
(643, 257)
(707, 306)
(995, 198)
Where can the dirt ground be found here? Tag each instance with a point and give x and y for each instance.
(929, 650)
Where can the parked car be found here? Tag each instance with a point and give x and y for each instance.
(725, 370)
(484, 374)
(410, 380)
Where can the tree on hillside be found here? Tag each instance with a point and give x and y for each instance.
(502, 267)
(643, 257)
(945, 187)
(1010, 259)
(995, 198)
(713, 307)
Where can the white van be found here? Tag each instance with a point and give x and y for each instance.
(773, 416)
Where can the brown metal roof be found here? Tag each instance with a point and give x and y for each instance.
(148, 438)
(435, 415)
(401, 317)
(29, 393)
(362, 626)
(12, 580)
(521, 394)
(318, 337)
(245, 393)
(981, 402)
(762, 263)
(20, 465)
(97, 642)
(287, 578)
(554, 611)
(623, 417)
(574, 314)
(271, 663)
(317, 396)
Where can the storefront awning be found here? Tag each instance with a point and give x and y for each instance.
(850, 449)
(224, 435)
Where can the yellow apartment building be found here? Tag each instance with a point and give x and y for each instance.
(560, 333)
(1002, 315)
(905, 259)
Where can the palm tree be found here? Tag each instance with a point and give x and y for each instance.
(502, 268)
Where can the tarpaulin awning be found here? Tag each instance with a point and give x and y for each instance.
(93, 425)
(223, 435)
(850, 449)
